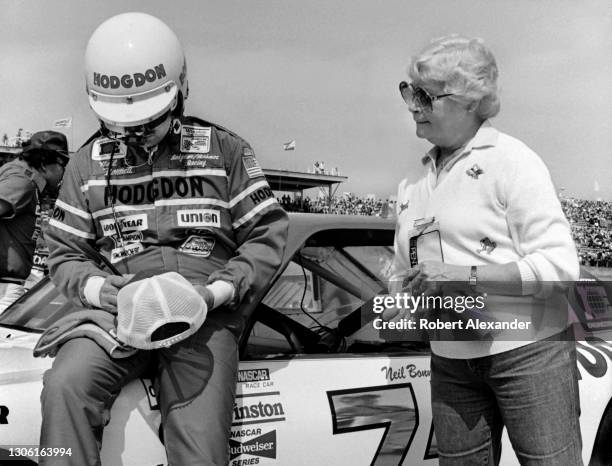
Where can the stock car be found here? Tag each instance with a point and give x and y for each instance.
(316, 385)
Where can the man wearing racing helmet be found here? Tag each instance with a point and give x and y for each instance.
(158, 191)
(39, 168)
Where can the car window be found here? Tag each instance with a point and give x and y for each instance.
(320, 287)
(38, 309)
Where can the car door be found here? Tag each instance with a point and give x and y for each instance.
(317, 383)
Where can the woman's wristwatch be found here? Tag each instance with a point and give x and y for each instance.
(473, 280)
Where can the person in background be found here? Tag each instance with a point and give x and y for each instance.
(485, 214)
(38, 169)
(157, 192)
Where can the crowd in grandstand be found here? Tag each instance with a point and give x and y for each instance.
(348, 204)
(591, 223)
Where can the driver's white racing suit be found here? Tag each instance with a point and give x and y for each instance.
(201, 206)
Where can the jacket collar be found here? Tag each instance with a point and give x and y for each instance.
(486, 136)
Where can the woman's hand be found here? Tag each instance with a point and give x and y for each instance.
(428, 277)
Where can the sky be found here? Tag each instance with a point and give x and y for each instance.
(325, 73)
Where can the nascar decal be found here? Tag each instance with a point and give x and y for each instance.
(118, 254)
(258, 408)
(262, 445)
(128, 223)
(255, 378)
(253, 375)
(250, 164)
(195, 139)
(389, 407)
(103, 148)
(198, 218)
(198, 245)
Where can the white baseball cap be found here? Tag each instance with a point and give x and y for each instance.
(159, 311)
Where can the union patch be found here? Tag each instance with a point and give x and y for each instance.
(198, 218)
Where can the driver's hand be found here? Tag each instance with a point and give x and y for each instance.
(108, 293)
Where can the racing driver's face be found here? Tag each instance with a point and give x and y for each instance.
(154, 135)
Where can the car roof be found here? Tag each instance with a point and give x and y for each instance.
(303, 225)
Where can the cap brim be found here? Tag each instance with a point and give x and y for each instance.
(136, 113)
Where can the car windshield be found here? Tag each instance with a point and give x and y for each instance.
(38, 309)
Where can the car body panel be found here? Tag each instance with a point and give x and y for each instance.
(336, 407)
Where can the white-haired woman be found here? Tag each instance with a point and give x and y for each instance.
(485, 213)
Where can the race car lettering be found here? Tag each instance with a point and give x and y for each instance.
(245, 433)
(404, 372)
(261, 195)
(260, 410)
(129, 80)
(597, 348)
(264, 446)
(247, 411)
(392, 408)
(245, 462)
(158, 187)
(432, 445)
(253, 375)
(4, 412)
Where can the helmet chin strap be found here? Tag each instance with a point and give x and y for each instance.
(131, 136)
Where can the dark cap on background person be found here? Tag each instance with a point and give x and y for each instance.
(47, 147)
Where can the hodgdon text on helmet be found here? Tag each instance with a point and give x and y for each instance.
(127, 80)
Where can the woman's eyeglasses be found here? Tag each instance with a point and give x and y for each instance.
(418, 96)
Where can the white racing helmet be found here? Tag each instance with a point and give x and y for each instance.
(135, 70)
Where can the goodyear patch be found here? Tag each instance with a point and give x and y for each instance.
(103, 148)
(252, 166)
(198, 245)
(128, 223)
(195, 139)
(198, 218)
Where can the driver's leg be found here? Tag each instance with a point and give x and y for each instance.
(78, 392)
(197, 382)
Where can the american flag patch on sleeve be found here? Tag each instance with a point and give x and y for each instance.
(251, 166)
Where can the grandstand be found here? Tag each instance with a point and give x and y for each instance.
(8, 153)
(292, 181)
